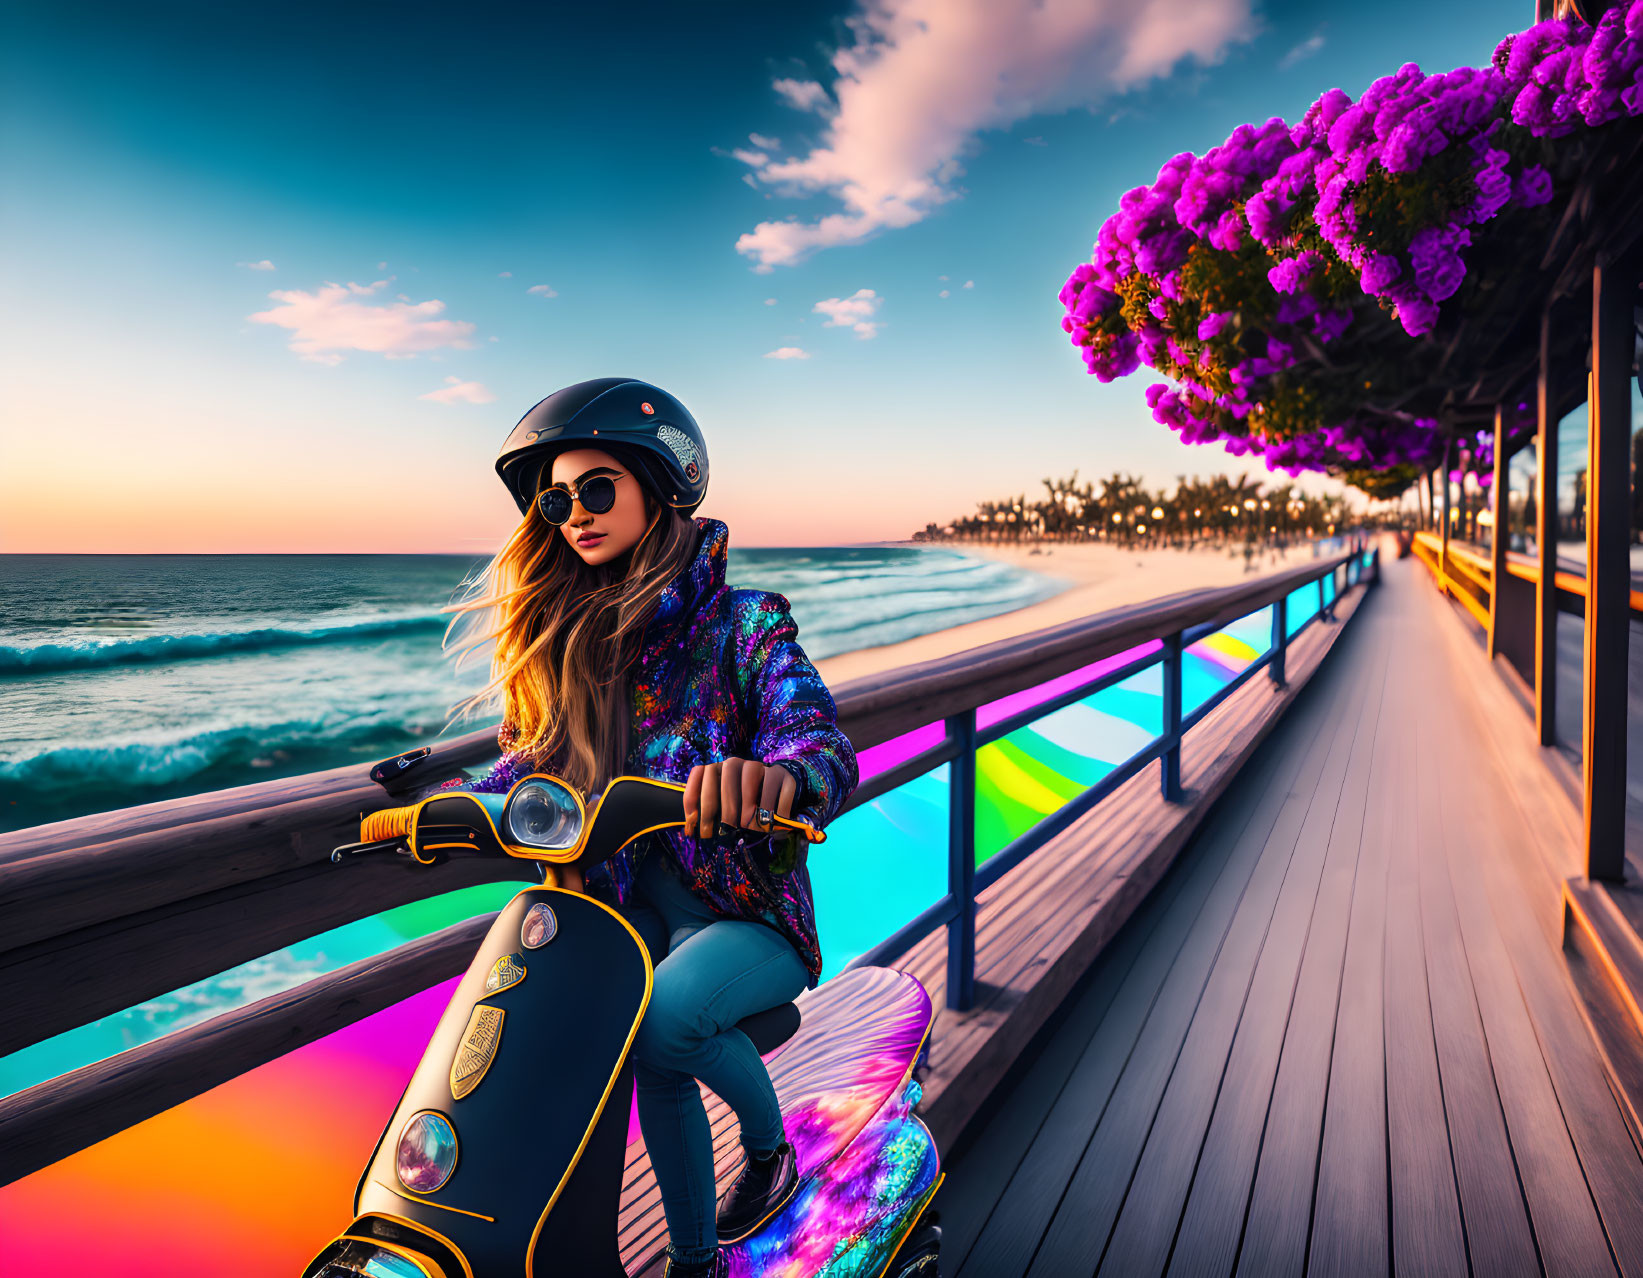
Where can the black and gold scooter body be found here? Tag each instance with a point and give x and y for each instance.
(548, 1010)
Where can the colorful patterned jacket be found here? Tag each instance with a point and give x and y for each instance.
(720, 674)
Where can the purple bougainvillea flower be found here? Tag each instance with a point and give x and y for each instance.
(1211, 325)
(1379, 270)
(1534, 186)
(1456, 147)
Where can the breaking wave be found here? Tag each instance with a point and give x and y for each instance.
(40, 658)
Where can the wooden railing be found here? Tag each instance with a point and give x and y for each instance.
(1465, 576)
(1470, 577)
(105, 911)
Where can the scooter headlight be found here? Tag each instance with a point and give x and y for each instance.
(544, 814)
(427, 1152)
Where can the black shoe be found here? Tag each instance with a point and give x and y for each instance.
(759, 1193)
(718, 1267)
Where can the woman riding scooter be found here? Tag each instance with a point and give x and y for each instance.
(620, 650)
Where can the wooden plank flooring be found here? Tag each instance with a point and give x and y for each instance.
(1339, 1037)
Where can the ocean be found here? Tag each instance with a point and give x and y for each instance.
(127, 679)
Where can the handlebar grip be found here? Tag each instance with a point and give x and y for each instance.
(391, 823)
(801, 824)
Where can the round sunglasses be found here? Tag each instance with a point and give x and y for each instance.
(597, 496)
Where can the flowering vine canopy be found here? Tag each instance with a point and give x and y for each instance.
(1287, 281)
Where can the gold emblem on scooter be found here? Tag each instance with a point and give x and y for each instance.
(540, 926)
(477, 1050)
(506, 971)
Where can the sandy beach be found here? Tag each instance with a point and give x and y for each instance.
(1099, 576)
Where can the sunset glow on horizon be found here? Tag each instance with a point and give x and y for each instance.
(263, 303)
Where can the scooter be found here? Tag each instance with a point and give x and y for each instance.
(506, 1153)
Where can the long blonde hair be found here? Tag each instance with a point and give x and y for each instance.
(564, 636)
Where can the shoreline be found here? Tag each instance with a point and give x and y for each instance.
(1099, 577)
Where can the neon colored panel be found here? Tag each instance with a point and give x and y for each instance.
(271, 974)
(259, 1169)
(884, 863)
(997, 711)
(1217, 659)
(1301, 606)
(1084, 747)
(1037, 769)
(887, 754)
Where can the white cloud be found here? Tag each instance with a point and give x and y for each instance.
(969, 283)
(752, 159)
(264, 265)
(854, 312)
(1035, 140)
(1301, 52)
(382, 266)
(944, 293)
(924, 77)
(769, 301)
(332, 319)
(504, 275)
(763, 143)
(942, 278)
(787, 352)
(457, 391)
(543, 290)
(803, 95)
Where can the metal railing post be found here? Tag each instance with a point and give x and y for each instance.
(1280, 640)
(1169, 762)
(961, 862)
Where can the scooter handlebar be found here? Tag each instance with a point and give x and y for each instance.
(457, 819)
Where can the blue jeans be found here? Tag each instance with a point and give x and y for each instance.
(710, 973)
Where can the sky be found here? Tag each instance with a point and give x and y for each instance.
(282, 278)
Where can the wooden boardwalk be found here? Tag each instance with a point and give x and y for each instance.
(1340, 1037)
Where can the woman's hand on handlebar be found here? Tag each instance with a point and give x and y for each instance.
(732, 792)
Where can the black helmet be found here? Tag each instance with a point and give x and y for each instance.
(637, 419)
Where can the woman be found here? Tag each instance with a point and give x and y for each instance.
(620, 650)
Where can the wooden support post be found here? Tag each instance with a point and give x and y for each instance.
(1498, 538)
(961, 862)
(1608, 566)
(1546, 540)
